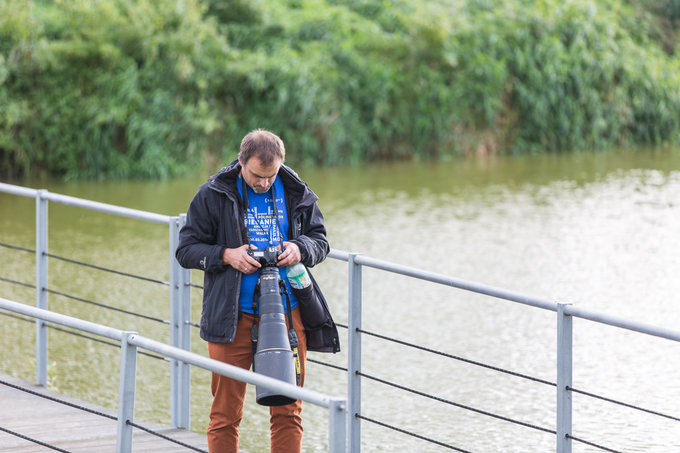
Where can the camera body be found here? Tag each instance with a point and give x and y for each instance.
(268, 257)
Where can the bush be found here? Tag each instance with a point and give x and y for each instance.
(577, 79)
(105, 88)
(156, 88)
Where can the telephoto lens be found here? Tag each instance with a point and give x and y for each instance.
(273, 356)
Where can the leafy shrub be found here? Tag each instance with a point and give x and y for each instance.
(155, 88)
(105, 88)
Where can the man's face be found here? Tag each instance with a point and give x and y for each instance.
(259, 177)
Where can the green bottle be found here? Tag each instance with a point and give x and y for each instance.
(298, 276)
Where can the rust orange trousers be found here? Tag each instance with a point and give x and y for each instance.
(229, 395)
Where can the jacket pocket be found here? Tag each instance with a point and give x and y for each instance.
(323, 338)
(311, 308)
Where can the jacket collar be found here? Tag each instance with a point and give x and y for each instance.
(225, 181)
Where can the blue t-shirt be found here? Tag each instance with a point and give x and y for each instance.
(264, 232)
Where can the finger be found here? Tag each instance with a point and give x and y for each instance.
(249, 259)
(288, 261)
(282, 258)
(248, 268)
(252, 261)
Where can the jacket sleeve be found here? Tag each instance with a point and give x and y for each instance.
(314, 246)
(198, 248)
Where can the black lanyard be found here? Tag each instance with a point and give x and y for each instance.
(244, 190)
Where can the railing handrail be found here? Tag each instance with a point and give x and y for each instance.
(64, 320)
(578, 312)
(299, 393)
(87, 204)
(615, 321)
(18, 190)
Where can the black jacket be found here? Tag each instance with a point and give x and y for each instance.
(215, 222)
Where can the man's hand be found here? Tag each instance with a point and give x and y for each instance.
(291, 254)
(239, 259)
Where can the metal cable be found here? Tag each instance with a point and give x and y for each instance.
(16, 247)
(16, 282)
(87, 301)
(12, 315)
(57, 400)
(330, 365)
(462, 406)
(35, 441)
(450, 356)
(72, 261)
(163, 436)
(148, 354)
(98, 304)
(592, 444)
(92, 411)
(113, 271)
(412, 434)
(620, 403)
(98, 340)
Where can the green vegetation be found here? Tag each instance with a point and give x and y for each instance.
(157, 88)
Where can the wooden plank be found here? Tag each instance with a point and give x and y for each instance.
(72, 429)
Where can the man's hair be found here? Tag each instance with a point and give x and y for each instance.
(262, 144)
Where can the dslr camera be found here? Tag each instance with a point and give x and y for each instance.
(268, 257)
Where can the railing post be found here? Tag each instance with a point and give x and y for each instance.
(126, 393)
(337, 426)
(180, 333)
(354, 356)
(564, 378)
(41, 235)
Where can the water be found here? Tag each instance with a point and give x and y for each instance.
(601, 231)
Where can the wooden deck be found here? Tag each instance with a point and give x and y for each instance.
(66, 428)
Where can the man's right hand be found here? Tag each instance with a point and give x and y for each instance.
(239, 259)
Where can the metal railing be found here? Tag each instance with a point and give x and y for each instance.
(179, 303)
(181, 323)
(131, 341)
(565, 314)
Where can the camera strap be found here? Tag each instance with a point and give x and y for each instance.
(292, 335)
(246, 206)
(256, 293)
(244, 199)
(276, 216)
(254, 328)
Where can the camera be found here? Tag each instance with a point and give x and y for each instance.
(275, 346)
(267, 257)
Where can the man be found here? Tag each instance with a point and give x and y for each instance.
(231, 214)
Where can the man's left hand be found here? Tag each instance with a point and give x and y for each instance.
(291, 254)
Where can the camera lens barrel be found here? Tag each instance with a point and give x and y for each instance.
(273, 357)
